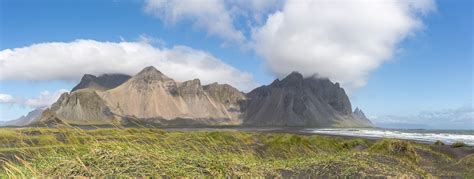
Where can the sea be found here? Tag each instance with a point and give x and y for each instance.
(419, 135)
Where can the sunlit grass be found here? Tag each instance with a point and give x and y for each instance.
(36, 152)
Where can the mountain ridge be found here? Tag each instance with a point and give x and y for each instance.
(296, 101)
(102, 82)
(27, 119)
(152, 97)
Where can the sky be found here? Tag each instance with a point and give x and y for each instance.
(405, 63)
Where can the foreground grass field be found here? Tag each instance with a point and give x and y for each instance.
(39, 152)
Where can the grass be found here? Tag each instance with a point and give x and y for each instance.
(438, 142)
(458, 144)
(133, 152)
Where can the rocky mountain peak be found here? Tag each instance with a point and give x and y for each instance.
(293, 79)
(359, 113)
(357, 110)
(88, 77)
(151, 96)
(224, 92)
(192, 83)
(86, 81)
(190, 87)
(151, 73)
(103, 82)
(295, 75)
(150, 70)
(149, 76)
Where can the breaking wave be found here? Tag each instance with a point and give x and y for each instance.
(426, 136)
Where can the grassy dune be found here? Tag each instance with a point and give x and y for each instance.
(152, 152)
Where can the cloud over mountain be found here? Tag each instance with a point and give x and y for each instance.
(342, 40)
(70, 60)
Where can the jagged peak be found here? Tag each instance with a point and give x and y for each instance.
(213, 84)
(294, 76)
(148, 70)
(88, 77)
(357, 110)
(102, 82)
(216, 84)
(105, 75)
(293, 79)
(195, 82)
(151, 73)
(275, 82)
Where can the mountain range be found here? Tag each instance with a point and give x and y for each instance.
(30, 118)
(152, 98)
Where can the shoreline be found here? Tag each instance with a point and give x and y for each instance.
(291, 130)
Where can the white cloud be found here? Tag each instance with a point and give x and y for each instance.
(210, 14)
(254, 11)
(44, 99)
(147, 39)
(339, 39)
(217, 17)
(343, 40)
(6, 98)
(69, 61)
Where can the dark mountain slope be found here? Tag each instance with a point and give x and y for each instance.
(103, 82)
(152, 97)
(300, 102)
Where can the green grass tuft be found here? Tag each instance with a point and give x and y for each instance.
(458, 144)
(140, 152)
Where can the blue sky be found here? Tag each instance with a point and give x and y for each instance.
(430, 70)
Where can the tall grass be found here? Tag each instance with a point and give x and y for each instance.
(135, 152)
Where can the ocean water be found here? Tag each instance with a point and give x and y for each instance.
(426, 136)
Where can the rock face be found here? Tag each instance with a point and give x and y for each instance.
(103, 82)
(231, 98)
(31, 117)
(150, 97)
(359, 114)
(300, 102)
(82, 107)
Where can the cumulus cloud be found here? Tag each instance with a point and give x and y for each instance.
(44, 99)
(343, 40)
(210, 14)
(69, 61)
(339, 39)
(217, 17)
(6, 98)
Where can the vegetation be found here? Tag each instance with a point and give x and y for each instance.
(438, 142)
(133, 152)
(458, 144)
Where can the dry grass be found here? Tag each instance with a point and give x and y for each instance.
(133, 152)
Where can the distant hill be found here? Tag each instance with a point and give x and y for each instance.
(31, 117)
(150, 97)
